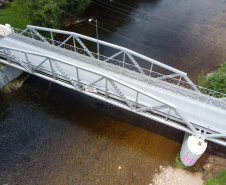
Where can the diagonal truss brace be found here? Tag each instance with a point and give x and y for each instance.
(39, 35)
(135, 63)
(17, 60)
(65, 74)
(84, 47)
(39, 65)
(121, 94)
(113, 56)
(192, 128)
(98, 80)
(65, 41)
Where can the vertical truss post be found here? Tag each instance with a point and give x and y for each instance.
(77, 73)
(136, 100)
(51, 33)
(74, 42)
(51, 66)
(32, 35)
(106, 88)
(28, 62)
(151, 68)
(124, 58)
(98, 50)
(167, 117)
(179, 81)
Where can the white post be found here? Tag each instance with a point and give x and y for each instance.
(192, 149)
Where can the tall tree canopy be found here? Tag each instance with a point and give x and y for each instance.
(49, 13)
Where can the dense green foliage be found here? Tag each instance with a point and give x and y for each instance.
(11, 16)
(220, 179)
(215, 81)
(49, 13)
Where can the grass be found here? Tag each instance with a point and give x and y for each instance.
(1, 67)
(10, 15)
(178, 162)
(218, 180)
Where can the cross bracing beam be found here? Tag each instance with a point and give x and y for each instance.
(173, 117)
(65, 41)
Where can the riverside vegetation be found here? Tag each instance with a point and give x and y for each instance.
(215, 80)
(20, 13)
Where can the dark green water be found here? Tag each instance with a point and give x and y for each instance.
(64, 137)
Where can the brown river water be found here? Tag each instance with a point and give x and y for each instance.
(59, 136)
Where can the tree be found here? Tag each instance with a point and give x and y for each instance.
(49, 13)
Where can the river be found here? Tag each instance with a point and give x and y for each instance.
(59, 136)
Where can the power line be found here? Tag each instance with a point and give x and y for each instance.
(131, 40)
(142, 12)
(192, 34)
(155, 15)
(132, 16)
(149, 42)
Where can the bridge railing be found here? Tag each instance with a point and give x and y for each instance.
(173, 80)
(125, 55)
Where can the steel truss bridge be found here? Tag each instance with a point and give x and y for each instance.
(121, 77)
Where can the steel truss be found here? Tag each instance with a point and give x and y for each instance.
(108, 89)
(121, 51)
(174, 78)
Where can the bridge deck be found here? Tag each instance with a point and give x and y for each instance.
(196, 112)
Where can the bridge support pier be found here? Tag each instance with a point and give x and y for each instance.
(192, 149)
(9, 73)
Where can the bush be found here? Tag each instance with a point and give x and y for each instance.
(217, 82)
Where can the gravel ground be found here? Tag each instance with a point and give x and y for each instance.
(175, 176)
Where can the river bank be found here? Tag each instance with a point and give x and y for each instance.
(171, 175)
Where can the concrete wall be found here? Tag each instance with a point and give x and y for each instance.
(8, 75)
